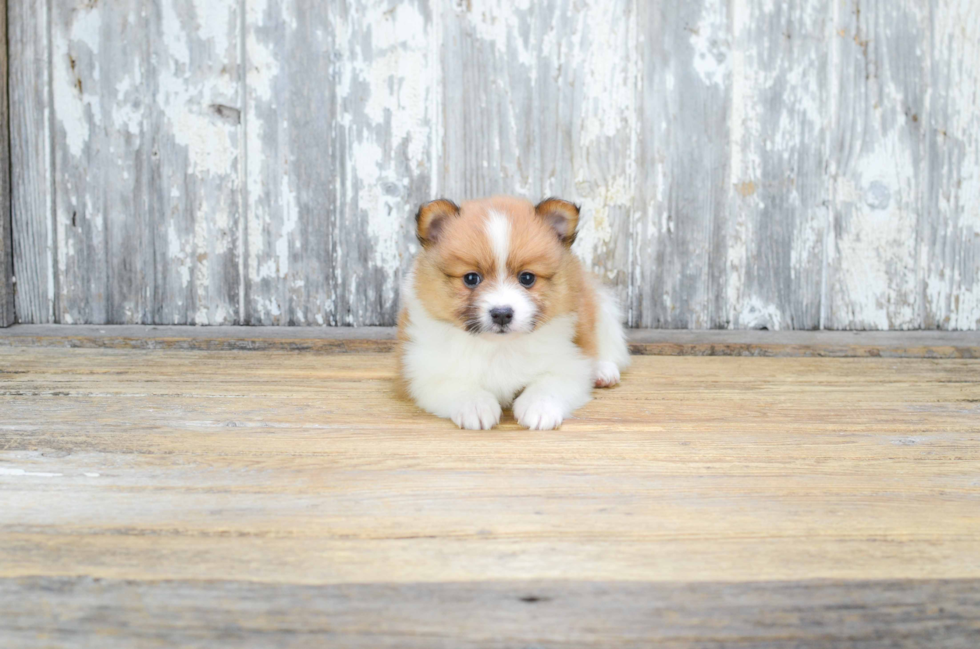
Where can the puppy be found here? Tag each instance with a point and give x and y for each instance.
(496, 306)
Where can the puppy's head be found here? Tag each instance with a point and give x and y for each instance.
(496, 266)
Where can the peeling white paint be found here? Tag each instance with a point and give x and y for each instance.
(212, 24)
(174, 35)
(263, 64)
(951, 277)
(743, 129)
(561, 115)
(74, 103)
(290, 220)
(186, 98)
(876, 277)
(600, 208)
(178, 255)
(711, 43)
(499, 22)
(604, 54)
(21, 472)
(383, 221)
(757, 314)
(393, 124)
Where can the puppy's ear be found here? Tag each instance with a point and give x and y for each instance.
(431, 218)
(561, 216)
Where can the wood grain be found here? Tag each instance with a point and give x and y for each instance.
(6, 245)
(145, 140)
(857, 614)
(878, 164)
(31, 169)
(740, 165)
(293, 187)
(191, 159)
(339, 156)
(949, 230)
(260, 494)
(647, 342)
(683, 177)
(776, 210)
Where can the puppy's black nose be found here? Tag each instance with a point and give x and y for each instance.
(502, 315)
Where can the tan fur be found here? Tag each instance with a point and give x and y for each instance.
(585, 329)
(401, 385)
(462, 246)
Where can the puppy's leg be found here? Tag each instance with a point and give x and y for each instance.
(469, 407)
(606, 374)
(476, 410)
(550, 398)
(613, 353)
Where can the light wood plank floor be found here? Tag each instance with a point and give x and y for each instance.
(267, 498)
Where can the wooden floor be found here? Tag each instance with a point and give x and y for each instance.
(285, 499)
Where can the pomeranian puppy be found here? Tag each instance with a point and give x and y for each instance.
(496, 306)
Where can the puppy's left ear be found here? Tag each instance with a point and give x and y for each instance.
(561, 216)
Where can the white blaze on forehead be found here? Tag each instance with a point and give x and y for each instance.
(498, 231)
(505, 292)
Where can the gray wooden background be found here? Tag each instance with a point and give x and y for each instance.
(6, 245)
(746, 163)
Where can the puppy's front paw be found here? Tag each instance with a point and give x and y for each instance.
(541, 413)
(481, 412)
(606, 374)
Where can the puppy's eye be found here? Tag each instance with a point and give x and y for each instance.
(472, 279)
(526, 279)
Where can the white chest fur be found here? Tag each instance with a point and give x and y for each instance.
(500, 364)
(469, 378)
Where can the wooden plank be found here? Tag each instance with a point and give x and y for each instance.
(649, 342)
(327, 461)
(146, 146)
(778, 194)
(340, 152)
(7, 315)
(293, 187)
(96, 184)
(386, 152)
(820, 344)
(683, 178)
(192, 202)
(39, 612)
(877, 164)
(229, 496)
(328, 340)
(950, 221)
(31, 169)
(559, 118)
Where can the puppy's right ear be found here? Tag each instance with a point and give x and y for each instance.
(432, 218)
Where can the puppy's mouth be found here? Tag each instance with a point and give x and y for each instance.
(482, 329)
(479, 329)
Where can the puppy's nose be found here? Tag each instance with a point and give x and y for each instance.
(502, 315)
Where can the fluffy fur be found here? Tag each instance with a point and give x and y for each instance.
(551, 340)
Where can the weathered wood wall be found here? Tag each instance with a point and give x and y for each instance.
(6, 245)
(749, 163)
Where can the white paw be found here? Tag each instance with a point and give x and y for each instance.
(542, 413)
(606, 374)
(477, 413)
